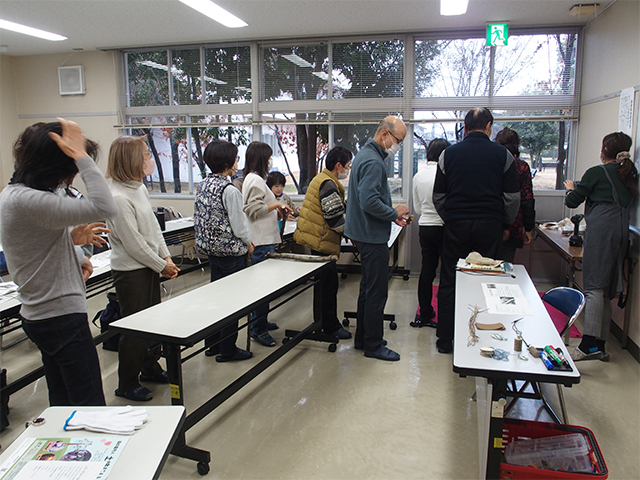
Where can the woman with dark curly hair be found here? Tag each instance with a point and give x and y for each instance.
(608, 190)
(34, 231)
(519, 233)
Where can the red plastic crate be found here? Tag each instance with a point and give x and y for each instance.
(525, 429)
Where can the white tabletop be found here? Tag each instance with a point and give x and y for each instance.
(181, 319)
(154, 439)
(537, 329)
(178, 224)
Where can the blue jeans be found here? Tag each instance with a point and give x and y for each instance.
(70, 359)
(260, 325)
(220, 268)
(374, 288)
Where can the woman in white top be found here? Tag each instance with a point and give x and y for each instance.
(261, 209)
(431, 232)
(139, 254)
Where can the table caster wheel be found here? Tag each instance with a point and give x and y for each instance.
(203, 468)
(343, 276)
(332, 347)
(393, 325)
(405, 277)
(345, 322)
(285, 340)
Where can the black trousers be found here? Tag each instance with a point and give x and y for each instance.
(220, 268)
(431, 246)
(374, 289)
(460, 239)
(71, 365)
(136, 290)
(330, 282)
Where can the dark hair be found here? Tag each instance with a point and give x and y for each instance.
(39, 162)
(220, 155)
(276, 178)
(612, 145)
(435, 148)
(257, 159)
(93, 149)
(338, 155)
(477, 119)
(510, 140)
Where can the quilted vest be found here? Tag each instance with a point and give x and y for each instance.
(312, 230)
(214, 235)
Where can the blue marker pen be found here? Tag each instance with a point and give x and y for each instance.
(545, 358)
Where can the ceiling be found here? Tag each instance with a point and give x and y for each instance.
(101, 24)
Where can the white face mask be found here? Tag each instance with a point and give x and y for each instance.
(393, 149)
(149, 166)
(343, 175)
(270, 164)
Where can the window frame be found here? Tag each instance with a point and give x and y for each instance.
(361, 110)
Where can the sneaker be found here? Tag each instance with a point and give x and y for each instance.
(341, 333)
(420, 322)
(578, 355)
(384, 353)
(360, 346)
(272, 326)
(236, 357)
(160, 378)
(264, 339)
(138, 394)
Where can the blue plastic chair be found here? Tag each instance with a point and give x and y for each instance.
(570, 302)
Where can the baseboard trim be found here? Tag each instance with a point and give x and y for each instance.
(632, 348)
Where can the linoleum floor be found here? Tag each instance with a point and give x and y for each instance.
(316, 414)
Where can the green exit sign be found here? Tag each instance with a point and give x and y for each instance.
(497, 34)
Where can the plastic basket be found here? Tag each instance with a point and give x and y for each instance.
(524, 429)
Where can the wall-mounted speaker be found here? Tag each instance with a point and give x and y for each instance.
(71, 80)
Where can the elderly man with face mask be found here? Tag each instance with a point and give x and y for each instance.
(368, 225)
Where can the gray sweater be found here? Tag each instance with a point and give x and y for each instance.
(369, 208)
(34, 232)
(136, 238)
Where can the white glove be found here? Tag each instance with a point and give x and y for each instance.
(119, 421)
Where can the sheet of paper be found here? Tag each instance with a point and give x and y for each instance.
(63, 458)
(395, 231)
(101, 260)
(505, 299)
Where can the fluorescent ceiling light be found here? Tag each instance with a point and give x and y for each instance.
(216, 13)
(301, 62)
(34, 32)
(584, 9)
(453, 7)
(322, 75)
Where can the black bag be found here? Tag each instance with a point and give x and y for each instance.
(111, 313)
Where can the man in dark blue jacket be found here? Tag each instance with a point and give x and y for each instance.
(477, 195)
(368, 225)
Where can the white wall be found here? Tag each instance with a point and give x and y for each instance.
(8, 117)
(611, 63)
(29, 93)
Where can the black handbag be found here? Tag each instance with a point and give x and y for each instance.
(109, 314)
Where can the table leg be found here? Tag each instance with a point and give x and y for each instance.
(483, 400)
(174, 374)
(496, 420)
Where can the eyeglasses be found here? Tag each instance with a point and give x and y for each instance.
(397, 139)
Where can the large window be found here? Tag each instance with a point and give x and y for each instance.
(304, 97)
